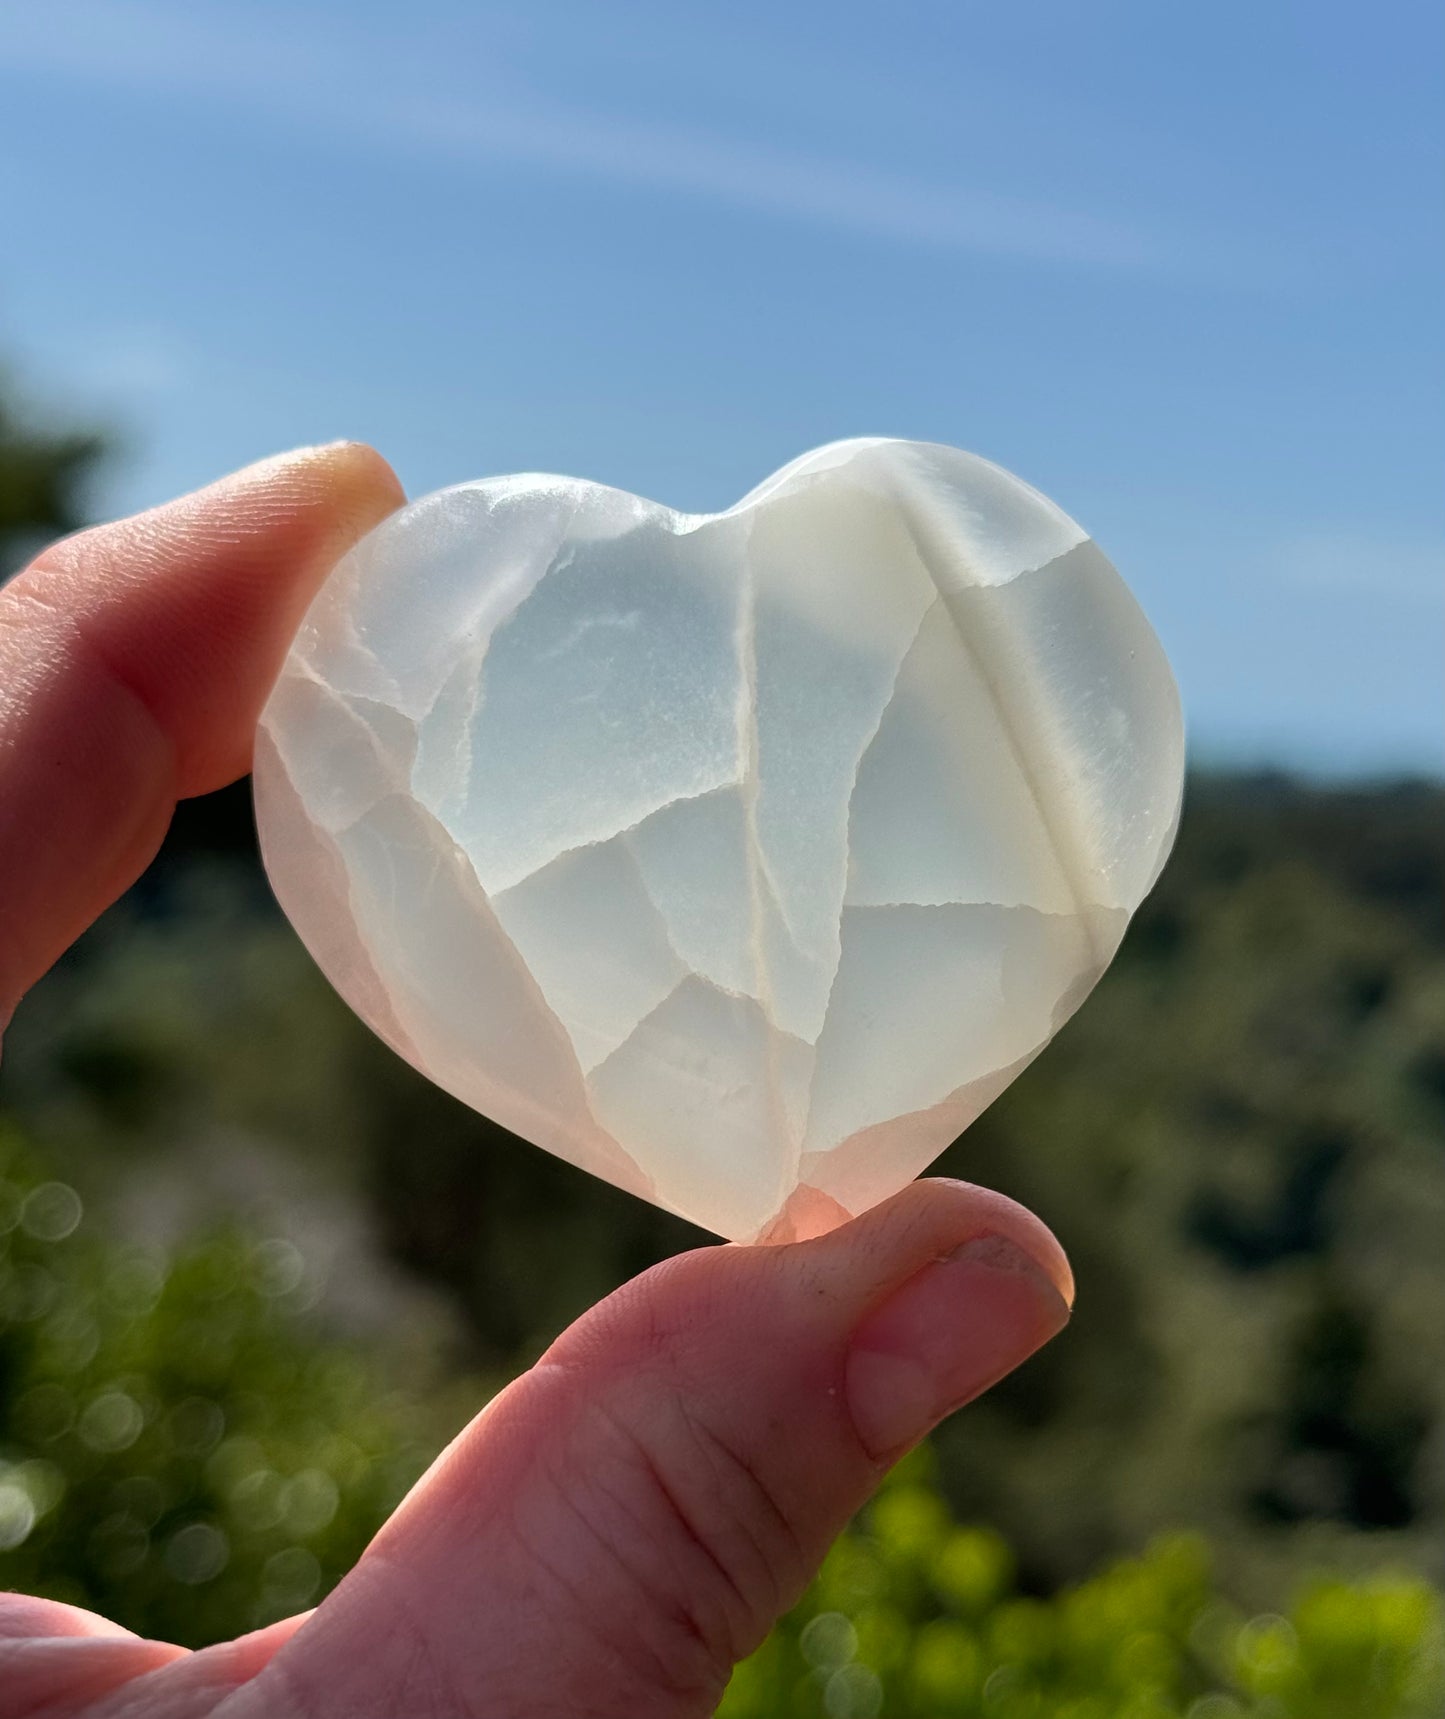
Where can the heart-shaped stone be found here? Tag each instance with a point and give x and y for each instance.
(739, 858)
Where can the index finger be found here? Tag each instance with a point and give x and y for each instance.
(134, 661)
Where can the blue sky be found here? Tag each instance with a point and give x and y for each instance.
(1178, 266)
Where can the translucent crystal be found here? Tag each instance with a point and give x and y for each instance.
(739, 858)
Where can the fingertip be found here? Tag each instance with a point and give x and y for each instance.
(930, 1218)
(344, 467)
(1024, 1228)
(349, 479)
(955, 1328)
(137, 657)
(370, 476)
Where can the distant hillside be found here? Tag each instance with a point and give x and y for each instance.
(1241, 1138)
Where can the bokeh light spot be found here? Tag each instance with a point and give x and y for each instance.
(111, 1421)
(51, 1212)
(17, 1514)
(197, 1553)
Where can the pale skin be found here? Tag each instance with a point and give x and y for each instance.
(628, 1519)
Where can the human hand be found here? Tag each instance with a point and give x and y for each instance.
(624, 1522)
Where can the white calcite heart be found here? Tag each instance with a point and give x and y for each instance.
(739, 858)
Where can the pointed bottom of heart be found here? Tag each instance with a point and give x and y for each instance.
(809, 1212)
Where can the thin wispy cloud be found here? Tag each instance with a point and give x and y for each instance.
(346, 87)
(1351, 562)
(853, 197)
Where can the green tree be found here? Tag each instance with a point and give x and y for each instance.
(43, 476)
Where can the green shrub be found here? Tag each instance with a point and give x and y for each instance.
(183, 1449)
(917, 1617)
(179, 1448)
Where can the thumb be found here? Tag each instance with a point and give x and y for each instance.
(627, 1520)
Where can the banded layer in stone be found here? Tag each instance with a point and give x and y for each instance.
(740, 859)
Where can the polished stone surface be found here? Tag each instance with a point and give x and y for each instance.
(741, 858)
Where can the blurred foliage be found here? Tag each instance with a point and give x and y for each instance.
(179, 1449)
(915, 1617)
(1238, 1139)
(183, 1449)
